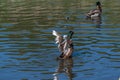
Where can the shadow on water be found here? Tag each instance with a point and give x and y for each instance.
(64, 66)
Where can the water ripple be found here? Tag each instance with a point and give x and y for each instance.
(27, 47)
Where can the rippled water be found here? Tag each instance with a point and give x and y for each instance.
(28, 50)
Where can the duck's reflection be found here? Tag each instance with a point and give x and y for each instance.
(64, 66)
(96, 20)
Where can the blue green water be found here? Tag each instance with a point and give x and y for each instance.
(28, 50)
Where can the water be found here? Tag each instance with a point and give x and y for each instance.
(28, 50)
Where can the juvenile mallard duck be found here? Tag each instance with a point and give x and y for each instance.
(95, 12)
(66, 44)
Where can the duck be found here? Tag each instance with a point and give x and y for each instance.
(65, 44)
(95, 12)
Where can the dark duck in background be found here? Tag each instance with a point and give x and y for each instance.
(95, 12)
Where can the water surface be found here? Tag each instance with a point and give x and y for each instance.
(28, 50)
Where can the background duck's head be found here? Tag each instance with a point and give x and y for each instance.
(98, 3)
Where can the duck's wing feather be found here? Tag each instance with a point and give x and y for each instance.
(55, 33)
(58, 38)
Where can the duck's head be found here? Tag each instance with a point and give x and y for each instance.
(98, 3)
(70, 34)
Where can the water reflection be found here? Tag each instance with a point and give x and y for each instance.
(27, 44)
(64, 66)
(96, 20)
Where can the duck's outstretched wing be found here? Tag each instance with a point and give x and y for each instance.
(55, 33)
(58, 38)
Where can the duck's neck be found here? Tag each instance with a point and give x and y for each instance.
(70, 35)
